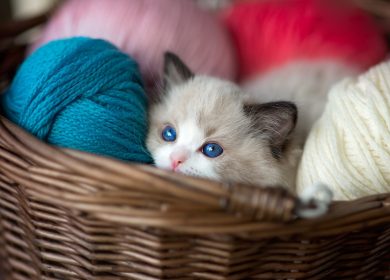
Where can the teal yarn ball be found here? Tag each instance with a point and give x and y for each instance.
(83, 94)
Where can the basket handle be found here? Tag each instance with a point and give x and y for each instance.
(277, 203)
(265, 204)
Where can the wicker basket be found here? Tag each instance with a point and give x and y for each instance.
(70, 215)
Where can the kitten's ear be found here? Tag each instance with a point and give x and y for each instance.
(275, 121)
(175, 71)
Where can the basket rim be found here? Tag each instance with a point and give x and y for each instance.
(106, 188)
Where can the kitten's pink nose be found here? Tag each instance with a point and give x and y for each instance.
(177, 158)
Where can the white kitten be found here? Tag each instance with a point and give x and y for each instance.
(202, 127)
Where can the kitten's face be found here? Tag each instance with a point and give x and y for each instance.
(202, 128)
(202, 111)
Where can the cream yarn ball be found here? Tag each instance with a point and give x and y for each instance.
(348, 148)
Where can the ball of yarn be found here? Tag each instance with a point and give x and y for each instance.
(83, 94)
(348, 148)
(145, 29)
(270, 33)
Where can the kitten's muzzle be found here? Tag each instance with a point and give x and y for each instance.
(178, 157)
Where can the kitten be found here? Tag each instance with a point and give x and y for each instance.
(202, 127)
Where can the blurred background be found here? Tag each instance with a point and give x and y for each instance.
(24, 8)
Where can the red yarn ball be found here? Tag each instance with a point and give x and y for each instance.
(270, 33)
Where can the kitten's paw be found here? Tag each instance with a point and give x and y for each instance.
(314, 201)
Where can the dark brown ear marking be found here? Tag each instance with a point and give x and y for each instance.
(175, 70)
(275, 121)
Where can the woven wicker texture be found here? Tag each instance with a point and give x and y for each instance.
(71, 215)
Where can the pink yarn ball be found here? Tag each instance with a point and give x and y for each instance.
(145, 29)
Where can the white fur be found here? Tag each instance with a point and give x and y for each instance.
(190, 138)
(191, 108)
(306, 83)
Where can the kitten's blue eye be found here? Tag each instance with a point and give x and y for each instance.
(212, 150)
(168, 134)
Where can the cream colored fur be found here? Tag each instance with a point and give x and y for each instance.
(305, 83)
(208, 109)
